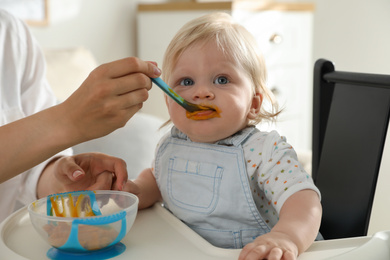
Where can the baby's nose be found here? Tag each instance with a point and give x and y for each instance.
(203, 92)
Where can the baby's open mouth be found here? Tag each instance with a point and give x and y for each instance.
(206, 112)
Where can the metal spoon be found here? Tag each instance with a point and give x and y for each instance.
(190, 107)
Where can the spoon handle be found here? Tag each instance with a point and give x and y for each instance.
(171, 93)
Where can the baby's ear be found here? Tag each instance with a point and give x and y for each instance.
(257, 100)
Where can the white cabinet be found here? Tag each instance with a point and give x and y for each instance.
(284, 34)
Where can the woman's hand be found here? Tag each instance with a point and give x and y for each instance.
(109, 97)
(88, 171)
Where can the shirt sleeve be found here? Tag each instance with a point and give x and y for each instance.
(280, 174)
(34, 82)
(25, 90)
(28, 188)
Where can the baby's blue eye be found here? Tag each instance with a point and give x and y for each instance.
(221, 80)
(187, 82)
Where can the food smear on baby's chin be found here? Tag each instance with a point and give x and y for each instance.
(207, 112)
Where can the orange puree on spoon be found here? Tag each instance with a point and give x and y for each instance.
(206, 112)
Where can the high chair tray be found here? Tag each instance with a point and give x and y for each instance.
(157, 234)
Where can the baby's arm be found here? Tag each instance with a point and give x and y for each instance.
(145, 187)
(298, 225)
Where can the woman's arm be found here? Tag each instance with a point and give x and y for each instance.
(106, 100)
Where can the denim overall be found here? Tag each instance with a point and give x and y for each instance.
(207, 187)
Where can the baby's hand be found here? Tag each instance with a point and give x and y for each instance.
(131, 187)
(272, 246)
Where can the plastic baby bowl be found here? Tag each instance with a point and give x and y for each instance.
(84, 223)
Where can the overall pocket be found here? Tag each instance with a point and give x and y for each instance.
(194, 186)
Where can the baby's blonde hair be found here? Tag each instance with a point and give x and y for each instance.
(233, 40)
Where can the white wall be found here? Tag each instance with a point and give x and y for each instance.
(106, 27)
(354, 34)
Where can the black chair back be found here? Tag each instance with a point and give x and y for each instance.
(350, 120)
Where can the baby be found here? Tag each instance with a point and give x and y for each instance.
(234, 185)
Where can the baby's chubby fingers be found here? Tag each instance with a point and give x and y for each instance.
(131, 187)
(253, 251)
(275, 254)
(103, 181)
(274, 245)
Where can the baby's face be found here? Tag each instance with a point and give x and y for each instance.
(203, 75)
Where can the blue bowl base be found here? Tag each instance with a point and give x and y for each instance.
(102, 254)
